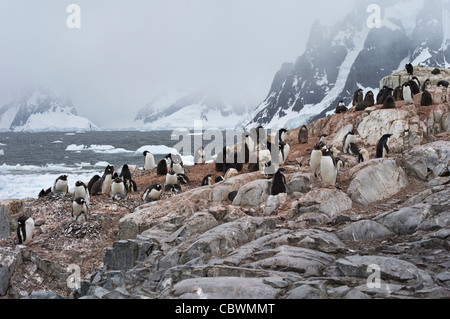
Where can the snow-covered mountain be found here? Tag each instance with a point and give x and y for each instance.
(181, 110)
(39, 110)
(340, 59)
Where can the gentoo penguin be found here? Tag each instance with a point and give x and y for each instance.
(353, 149)
(171, 178)
(369, 99)
(283, 153)
(389, 103)
(231, 160)
(264, 160)
(161, 169)
(44, 192)
(398, 93)
(426, 85)
(279, 184)
(443, 83)
(316, 156)
(358, 97)
(25, 230)
(118, 190)
(361, 107)
(387, 92)
(107, 179)
(282, 135)
(349, 138)
(125, 174)
(61, 185)
(183, 179)
(415, 88)
(415, 79)
(152, 193)
(427, 99)
(199, 156)
(303, 135)
(383, 146)
(363, 156)
(341, 108)
(407, 93)
(92, 182)
(219, 179)
(409, 68)
(80, 210)
(176, 163)
(149, 161)
(436, 71)
(328, 168)
(207, 180)
(381, 94)
(81, 190)
(232, 172)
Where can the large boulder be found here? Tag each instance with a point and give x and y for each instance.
(364, 230)
(376, 180)
(253, 194)
(428, 161)
(329, 202)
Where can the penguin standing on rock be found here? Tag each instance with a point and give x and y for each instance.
(25, 230)
(61, 186)
(358, 97)
(427, 99)
(199, 157)
(207, 180)
(363, 156)
(369, 100)
(398, 93)
(426, 85)
(149, 161)
(389, 103)
(409, 68)
(107, 179)
(81, 190)
(118, 190)
(328, 168)
(349, 138)
(341, 108)
(161, 169)
(316, 156)
(172, 182)
(152, 193)
(383, 146)
(130, 185)
(407, 93)
(80, 210)
(303, 135)
(443, 83)
(279, 184)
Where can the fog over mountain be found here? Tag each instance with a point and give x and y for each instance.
(126, 53)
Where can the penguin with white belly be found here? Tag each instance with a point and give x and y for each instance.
(81, 190)
(329, 168)
(149, 162)
(152, 193)
(316, 156)
(118, 190)
(61, 186)
(80, 210)
(25, 230)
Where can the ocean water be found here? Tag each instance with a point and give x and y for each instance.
(30, 162)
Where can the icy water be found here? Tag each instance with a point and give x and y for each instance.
(30, 162)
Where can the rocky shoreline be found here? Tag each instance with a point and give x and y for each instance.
(384, 233)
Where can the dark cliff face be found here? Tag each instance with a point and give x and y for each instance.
(340, 59)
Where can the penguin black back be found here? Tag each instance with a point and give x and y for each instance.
(380, 95)
(409, 68)
(383, 146)
(341, 108)
(279, 184)
(161, 169)
(92, 182)
(358, 97)
(303, 135)
(398, 93)
(415, 88)
(443, 83)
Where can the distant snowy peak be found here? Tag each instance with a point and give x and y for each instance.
(182, 110)
(38, 110)
(342, 58)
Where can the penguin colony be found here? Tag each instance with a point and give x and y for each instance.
(270, 150)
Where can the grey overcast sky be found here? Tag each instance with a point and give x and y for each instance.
(128, 51)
